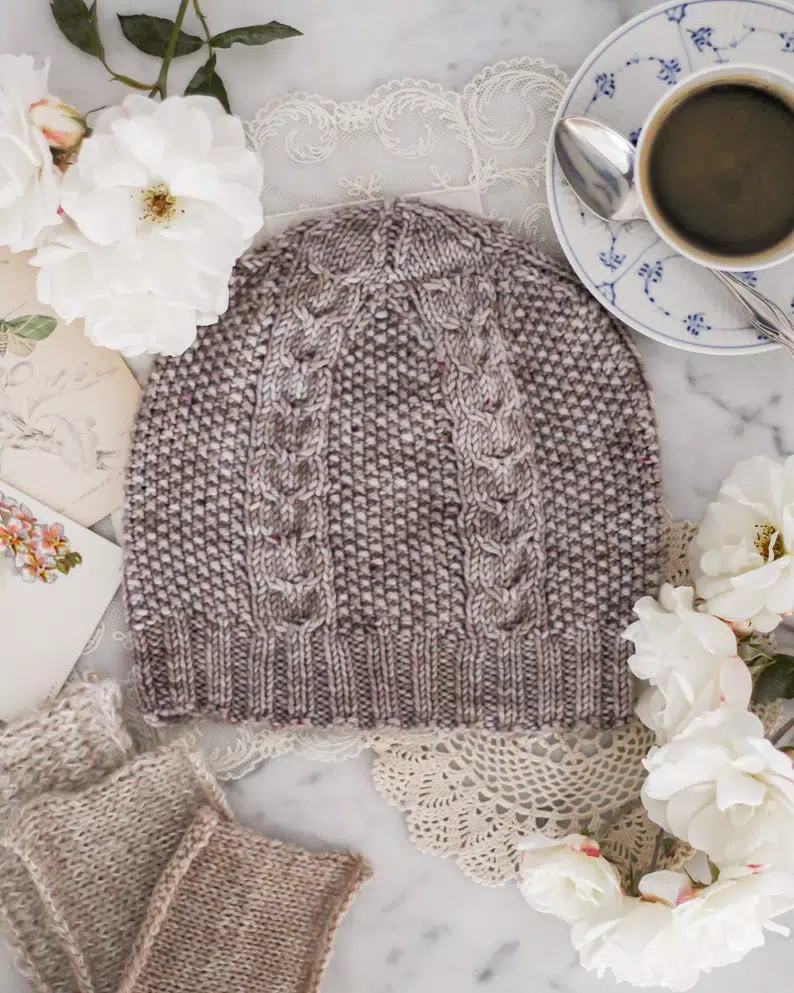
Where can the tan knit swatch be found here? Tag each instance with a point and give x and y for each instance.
(88, 863)
(69, 744)
(66, 746)
(237, 913)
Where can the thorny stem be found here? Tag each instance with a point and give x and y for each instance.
(127, 80)
(160, 85)
(203, 21)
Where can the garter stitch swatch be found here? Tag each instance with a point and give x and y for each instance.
(86, 864)
(411, 478)
(65, 747)
(236, 912)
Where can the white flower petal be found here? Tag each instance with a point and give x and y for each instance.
(666, 887)
(104, 215)
(136, 324)
(142, 140)
(742, 555)
(735, 789)
(727, 919)
(29, 181)
(567, 877)
(684, 806)
(723, 788)
(166, 250)
(639, 945)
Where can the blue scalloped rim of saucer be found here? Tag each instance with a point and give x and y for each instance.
(599, 272)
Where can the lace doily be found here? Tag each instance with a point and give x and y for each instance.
(482, 149)
(468, 795)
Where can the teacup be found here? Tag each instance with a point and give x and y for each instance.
(715, 167)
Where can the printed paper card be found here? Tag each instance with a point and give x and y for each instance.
(56, 581)
(66, 405)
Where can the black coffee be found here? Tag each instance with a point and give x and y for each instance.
(721, 169)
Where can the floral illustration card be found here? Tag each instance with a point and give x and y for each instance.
(66, 405)
(56, 581)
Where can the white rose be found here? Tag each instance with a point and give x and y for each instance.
(29, 179)
(140, 324)
(637, 942)
(722, 787)
(567, 877)
(727, 920)
(688, 657)
(741, 557)
(161, 200)
(61, 124)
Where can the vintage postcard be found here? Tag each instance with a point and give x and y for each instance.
(66, 405)
(56, 581)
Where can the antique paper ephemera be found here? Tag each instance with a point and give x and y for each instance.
(56, 581)
(66, 405)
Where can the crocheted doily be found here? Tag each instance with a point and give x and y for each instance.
(468, 795)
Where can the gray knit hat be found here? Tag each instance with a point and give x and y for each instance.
(411, 478)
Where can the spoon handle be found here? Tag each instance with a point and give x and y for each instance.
(764, 315)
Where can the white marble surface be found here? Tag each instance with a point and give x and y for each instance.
(422, 925)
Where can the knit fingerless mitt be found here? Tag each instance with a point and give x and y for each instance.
(123, 872)
(234, 911)
(77, 740)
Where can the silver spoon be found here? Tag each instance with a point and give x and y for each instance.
(598, 163)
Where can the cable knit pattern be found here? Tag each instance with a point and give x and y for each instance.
(85, 865)
(64, 747)
(411, 478)
(234, 911)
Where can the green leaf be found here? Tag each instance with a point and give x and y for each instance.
(152, 34)
(33, 327)
(751, 651)
(254, 34)
(207, 81)
(776, 682)
(78, 23)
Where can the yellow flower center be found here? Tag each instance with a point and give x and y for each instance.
(769, 542)
(159, 204)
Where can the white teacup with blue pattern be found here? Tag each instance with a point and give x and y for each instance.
(735, 166)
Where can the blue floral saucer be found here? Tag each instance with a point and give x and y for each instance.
(634, 274)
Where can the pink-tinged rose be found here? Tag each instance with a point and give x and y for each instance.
(61, 125)
(567, 877)
(723, 788)
(636, 941)
(730, 918)
(29, 180)
(159, 202)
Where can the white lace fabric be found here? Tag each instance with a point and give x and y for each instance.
(482, 149)
(465, 794)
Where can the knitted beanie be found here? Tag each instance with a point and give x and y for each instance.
(411, 478)
(85, 865)
(234, 911)
(66, 746)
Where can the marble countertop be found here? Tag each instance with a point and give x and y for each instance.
(422, 925)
